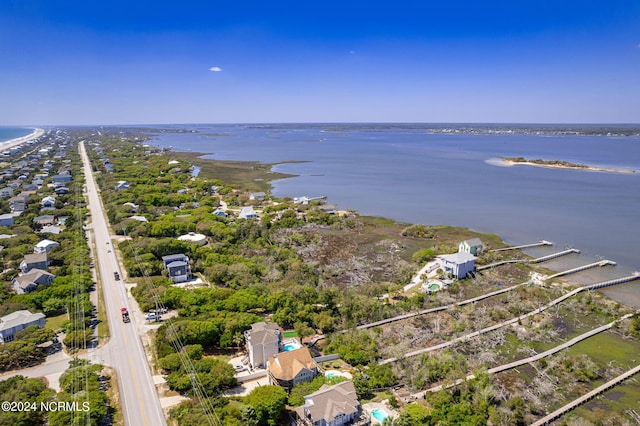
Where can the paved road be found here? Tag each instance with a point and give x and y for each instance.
(125, 354)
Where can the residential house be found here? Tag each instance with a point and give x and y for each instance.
(177, 266)
(51, 229)
(6, 219)
(48, 201)
(31, 280)
(287, 369)
(473, 246)
(45, 246)
(34, 261)
(18, 204)
(263, 341)
(6, 192)
(61, 178)
(257, 196)
(61, 190)
(16, 321)
(248, 213)
(123, 184)
(47, 219)
(220, 213)
(134, 207)
(192, 237)
(458, 264)
(335, 405)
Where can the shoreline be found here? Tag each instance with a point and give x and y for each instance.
(509, 163)
(37, 132)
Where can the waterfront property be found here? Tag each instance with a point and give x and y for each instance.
(263, 341)
(16, 321)
(335, 405)
(458, 264)
(472, 246)
(287, 369)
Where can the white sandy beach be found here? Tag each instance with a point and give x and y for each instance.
(17, 141)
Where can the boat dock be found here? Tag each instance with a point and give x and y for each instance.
(538, 260)
(601, 263)
(525, 246)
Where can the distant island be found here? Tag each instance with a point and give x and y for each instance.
(559, 164)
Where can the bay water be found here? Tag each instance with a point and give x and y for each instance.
(451, 175)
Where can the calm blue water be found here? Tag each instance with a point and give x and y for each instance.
(7, 133)
(412, 174)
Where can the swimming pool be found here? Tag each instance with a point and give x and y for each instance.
(331, 375)
(379, 415)
(291, 346)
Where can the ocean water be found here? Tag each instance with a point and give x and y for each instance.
(441, 176)
(7, 133)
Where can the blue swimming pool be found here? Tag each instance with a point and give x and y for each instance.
(291, 346)
(379, 415)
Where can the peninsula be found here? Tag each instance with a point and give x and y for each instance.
(559, 164)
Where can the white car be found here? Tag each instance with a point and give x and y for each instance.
(152, 316)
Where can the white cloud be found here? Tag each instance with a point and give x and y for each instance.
(215, 69)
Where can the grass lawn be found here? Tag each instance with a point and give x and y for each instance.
(55, 323)
(290, 334)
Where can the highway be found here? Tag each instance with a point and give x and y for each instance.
(125, 354)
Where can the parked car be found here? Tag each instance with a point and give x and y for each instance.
(153, 316)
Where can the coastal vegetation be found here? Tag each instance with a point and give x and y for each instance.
(317, 273)
(320, 275)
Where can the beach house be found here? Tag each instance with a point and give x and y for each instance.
(6, 219)
(335, 405)
(30, 281)
(248, 213)
(263, 341)
(177, 266)
(16, 321)
(45, 246)
(473, 246)
(287, 369)
(34, 261)
(458, 264)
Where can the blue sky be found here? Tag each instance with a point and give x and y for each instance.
(143, 62)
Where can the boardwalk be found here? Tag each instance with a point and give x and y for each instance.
(541, 309)
(525, 246)
(530, 359)
(573, 404)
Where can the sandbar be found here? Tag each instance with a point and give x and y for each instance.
(17, 141)
(568, 166)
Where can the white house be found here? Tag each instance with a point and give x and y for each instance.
(45, 246)
(192, 237)
(19, 320)
(263, 341)
(123, 184)
(257, 196)
(458, 264)
(248, 213)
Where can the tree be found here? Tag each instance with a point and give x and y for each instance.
(268, 403)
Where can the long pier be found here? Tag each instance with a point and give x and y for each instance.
(525, 246)
(601, 263)
(584, 398)
(538, 260)
(554, 255)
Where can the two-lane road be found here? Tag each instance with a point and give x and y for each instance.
(138, 394)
